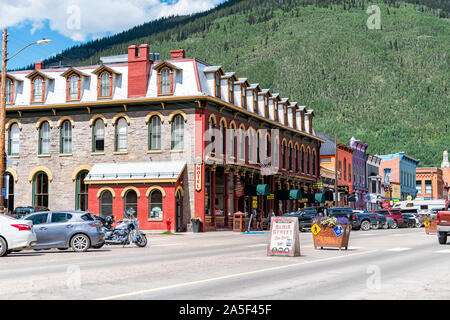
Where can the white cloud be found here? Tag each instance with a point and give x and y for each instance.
(82, 20)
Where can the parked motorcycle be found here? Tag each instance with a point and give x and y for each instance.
(126, 232)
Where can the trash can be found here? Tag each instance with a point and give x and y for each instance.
(239, 222)
(196, 225)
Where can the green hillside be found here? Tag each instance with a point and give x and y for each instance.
(387, 87)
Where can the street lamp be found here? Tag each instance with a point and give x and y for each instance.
(3, 108)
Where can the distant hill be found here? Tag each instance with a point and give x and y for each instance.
(387, 87)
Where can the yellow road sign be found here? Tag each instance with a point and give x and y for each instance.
(315, 229)
(427, 223)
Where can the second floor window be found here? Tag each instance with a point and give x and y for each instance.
(178, 133)
(14, 140)
(44, 138)
(154, 133)
(66, 137)
(98, 137)
(217, 84)
(121, 135)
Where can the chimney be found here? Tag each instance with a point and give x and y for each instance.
(177, 54)
(38, 65)
(139, 65)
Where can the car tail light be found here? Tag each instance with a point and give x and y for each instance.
(438, 217)
(354, 217)
(21, 227)
(376, 216)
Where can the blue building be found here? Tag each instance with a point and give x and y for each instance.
(400, 168)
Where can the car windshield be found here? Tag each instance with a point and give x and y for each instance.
(23, 211)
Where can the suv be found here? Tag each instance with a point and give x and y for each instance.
(394, 214)
(20, 212)
(443, 223)
(305, 216)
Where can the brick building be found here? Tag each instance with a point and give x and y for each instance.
(136, 133)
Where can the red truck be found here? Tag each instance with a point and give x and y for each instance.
(394, 214)
(443, 223)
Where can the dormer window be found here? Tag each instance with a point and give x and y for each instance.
(73, 83)
(230, 91)
(166, 77)
(217, 84)
(105, 85)
(255, 101)
(73, 88)
(38, 90)
(165, 81)
(243, 96)
(9, 91)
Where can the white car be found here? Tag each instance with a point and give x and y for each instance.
(15, 234)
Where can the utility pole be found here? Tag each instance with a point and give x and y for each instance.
(3, 119)
(335, 171)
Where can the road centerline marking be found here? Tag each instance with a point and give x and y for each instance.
(179, 285)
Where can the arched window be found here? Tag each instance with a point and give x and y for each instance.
(130, 203)
(98, 136)
(121, 135)
(106, 204)
(290, 158)
(44, 138)
(165, 81)
(81, 195)
(241, 144)
(155, 204)
(267, 147)
(345, 169)
(66, 137)
(283, 155)
(223, 136)
(314, 163)
(308, 168)
(154, 133)
(40, 189)
(178, 132)
(73, 88)
(232, 144)
(38, 89)
(212, 136)
(14, 140)
(105, 84)
(296, 159)
(9, 93)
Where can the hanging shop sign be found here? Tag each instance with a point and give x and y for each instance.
(255, 202)
(284, 237)
(239, 189)
(198, 177)
(271, 196)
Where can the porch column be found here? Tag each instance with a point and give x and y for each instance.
(236, 199)
(213, 196)
(226, 206)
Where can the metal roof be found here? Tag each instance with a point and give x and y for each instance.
(136, 170)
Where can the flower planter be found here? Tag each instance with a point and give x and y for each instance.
(431, 227)
(327, 237)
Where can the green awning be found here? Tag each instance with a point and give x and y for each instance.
(319, 197)
(257, 190)
(295, 194)
(262, 190)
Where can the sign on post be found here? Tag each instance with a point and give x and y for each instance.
(284, 237)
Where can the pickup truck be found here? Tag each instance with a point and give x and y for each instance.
(443, 224)
(365, 221)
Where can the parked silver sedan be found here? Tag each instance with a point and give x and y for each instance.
(66, 229)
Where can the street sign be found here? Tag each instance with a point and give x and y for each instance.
(338, 230)
(284, 237)
(315, 229)
(427, 224)
(271, 196)
(255, 202)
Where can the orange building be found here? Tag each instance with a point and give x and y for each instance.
(429, 183)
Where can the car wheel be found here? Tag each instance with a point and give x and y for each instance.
(3, 247)
(376, 226)
(394, 224)
(80, 242)
(365, 225)
(442, 237)
(418, 224)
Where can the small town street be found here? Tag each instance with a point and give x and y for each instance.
(379, 264)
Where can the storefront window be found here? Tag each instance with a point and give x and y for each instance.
(131, 203)
(106, 204)
(155, 205)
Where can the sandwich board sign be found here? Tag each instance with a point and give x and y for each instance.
(284, 237)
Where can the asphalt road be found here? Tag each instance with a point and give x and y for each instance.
(379, 264)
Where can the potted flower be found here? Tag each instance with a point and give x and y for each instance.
(196, 223)
(430, 224)
(331, 232)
